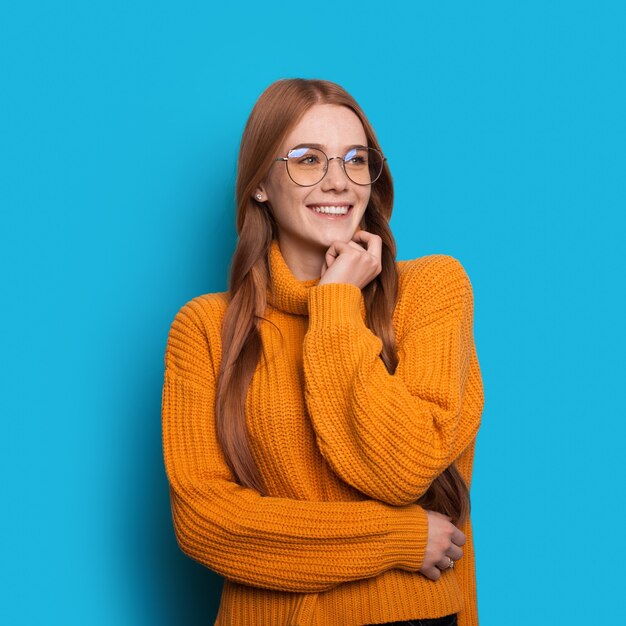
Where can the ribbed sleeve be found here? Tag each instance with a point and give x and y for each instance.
(390, 436)
(466, 575)
(466, 566)
(269, 542)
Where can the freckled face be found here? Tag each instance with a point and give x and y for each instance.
(336, 128)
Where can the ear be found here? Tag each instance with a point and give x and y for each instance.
(260, 195)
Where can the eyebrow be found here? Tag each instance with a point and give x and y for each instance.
(321, 147)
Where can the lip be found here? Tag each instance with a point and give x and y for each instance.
(330, 204)
(328, 216)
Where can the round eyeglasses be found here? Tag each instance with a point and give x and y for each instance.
(307, 165)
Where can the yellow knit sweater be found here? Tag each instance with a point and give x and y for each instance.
(344, 447)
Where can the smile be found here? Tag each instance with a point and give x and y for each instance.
(331, 210)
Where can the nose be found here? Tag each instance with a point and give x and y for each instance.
(335, 177)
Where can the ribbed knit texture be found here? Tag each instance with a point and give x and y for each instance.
(344, 447)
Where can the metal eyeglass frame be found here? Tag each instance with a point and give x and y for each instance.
(343, 166)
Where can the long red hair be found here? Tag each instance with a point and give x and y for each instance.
(276, 112)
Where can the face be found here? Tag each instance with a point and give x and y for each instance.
(336, 128)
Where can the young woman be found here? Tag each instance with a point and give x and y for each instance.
(319, 417)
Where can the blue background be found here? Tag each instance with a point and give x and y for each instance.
(120, 122)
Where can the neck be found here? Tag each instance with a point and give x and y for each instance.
(305, 260)
(286, 292)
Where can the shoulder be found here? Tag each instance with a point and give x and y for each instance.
(195, 331)
(202, 312)
(431, 272)
(431, 284)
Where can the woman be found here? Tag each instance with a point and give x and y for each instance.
(319, 417)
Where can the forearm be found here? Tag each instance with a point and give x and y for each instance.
(390, 435)
(272, 542)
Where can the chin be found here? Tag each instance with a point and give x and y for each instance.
(340, 234)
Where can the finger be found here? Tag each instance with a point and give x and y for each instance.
(356, 246)
(358, 239)
(444, 563)
(434, 573)
(458, 537)
(331, 254)
(454, 552)
(352, 245)
(335, 249)
(373, 243)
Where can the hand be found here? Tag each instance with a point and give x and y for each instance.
(444, 539)
(352, 263)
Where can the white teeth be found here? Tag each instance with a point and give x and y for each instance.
(332, 210)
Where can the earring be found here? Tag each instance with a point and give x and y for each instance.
(258, 196)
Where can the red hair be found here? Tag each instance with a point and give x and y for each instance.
(275, 114)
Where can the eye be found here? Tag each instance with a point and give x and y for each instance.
(309, 160)
(355, 156)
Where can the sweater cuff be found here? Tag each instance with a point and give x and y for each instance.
(335, 304)
(407, 537)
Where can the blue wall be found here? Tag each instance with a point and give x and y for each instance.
(504, 127)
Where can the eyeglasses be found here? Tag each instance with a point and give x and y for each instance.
(307, 166)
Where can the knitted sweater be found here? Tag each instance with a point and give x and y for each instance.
(344, 447)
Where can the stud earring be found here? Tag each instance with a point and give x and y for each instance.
(258, 196)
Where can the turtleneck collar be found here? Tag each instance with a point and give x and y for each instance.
(285, 291)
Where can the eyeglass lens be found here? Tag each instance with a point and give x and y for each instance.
(307, 166)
